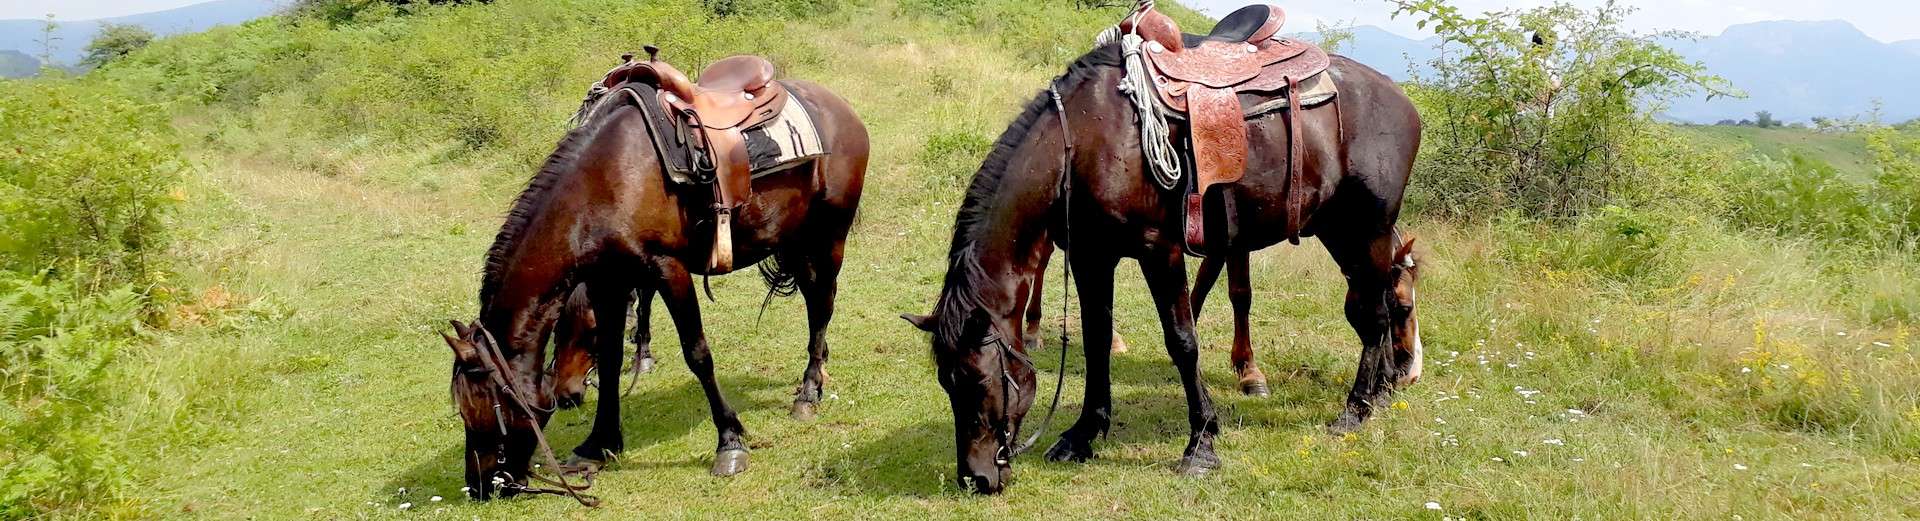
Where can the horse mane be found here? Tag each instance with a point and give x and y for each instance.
(561, 162)
(961, 296)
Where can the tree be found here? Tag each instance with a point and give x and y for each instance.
(1539, 110)
(1764, 119)
(114, 41)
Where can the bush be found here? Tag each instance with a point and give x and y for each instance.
(56, 341)
(85, 178)
(1539, 109)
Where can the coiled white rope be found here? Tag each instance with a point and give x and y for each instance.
(1156, 141)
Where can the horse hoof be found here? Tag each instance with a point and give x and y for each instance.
(1068, 450)
(803, 411)
(1119, 344)
(644, 366)
(1257, 388)
(1346, 423)
(730, 462)
(1196, 466)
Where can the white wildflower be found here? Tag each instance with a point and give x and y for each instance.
(1555, 441)
(1738, 466)
(435, 499)
(404, 506)
(1433, 505)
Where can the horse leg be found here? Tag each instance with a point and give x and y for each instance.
(1095, 282)
(1240, 291)
(1033, 303)
(643, 333)
(819, 279)
(1166, 277)
(683, 304)
(610, 313)
(1367, 264)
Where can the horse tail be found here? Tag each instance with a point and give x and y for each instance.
(780, 282)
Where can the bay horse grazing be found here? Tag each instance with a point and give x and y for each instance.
(1076, 175)
(603, 213)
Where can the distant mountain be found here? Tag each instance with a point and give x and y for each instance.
(1912, 46)
(1391, 54)
(16, 64)
(1801, 70)
(1796, 70)
(70, 38)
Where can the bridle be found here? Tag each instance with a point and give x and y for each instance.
(1007, 432)
(494, 365)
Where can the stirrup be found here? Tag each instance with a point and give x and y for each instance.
(721, 259)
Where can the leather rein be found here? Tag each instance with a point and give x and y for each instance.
(494, 364)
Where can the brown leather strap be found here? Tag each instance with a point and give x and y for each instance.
(1296, 186)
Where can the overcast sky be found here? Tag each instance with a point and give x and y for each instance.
(1887, 20)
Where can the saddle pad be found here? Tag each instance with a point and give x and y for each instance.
(772, 147)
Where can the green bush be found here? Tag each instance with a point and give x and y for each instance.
(57, 339)
(85, 178)
(1547, 128)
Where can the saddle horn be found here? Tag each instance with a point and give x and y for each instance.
(653, 53)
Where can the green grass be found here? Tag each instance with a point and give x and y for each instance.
(306, 380)
(1846, 151)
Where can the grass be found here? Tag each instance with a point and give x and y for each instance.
(1846, 151)
(306, 382)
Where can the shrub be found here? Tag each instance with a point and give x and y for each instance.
(56, 341)
(85, 178)
(1538, 109)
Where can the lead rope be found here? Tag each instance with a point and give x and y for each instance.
(1066, 266)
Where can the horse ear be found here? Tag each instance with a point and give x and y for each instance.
(462, 350)
(459, 330)
(924, 322)
(1405, 255)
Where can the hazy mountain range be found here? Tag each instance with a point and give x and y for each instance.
(70, 38)
(1796, 70)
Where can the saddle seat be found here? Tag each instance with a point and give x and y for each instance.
(731, 96)
(1201, 77)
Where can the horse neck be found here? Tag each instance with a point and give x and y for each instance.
(1011, 221)
(538, 266)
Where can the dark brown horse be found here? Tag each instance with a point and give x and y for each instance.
(602, 213)
(1113, 209)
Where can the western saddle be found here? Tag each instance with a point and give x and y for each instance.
(1202, 76)
(731, 96)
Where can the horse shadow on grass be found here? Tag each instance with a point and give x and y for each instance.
(648, 417)
(917, 460)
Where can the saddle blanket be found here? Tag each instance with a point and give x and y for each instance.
(787, 140)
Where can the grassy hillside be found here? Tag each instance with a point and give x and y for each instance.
(1633, 365)
(1846, 151)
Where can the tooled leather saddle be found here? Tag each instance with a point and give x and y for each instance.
(731, 96)
(1200, 77)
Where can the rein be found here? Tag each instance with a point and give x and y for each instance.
(495, 364)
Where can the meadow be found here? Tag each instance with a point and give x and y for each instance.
(1737, 347)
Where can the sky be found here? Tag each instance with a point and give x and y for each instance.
(1885, 20)
(85, 9)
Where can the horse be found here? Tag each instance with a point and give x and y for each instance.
(602, 213)
(1070, 170)
(573, 346)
